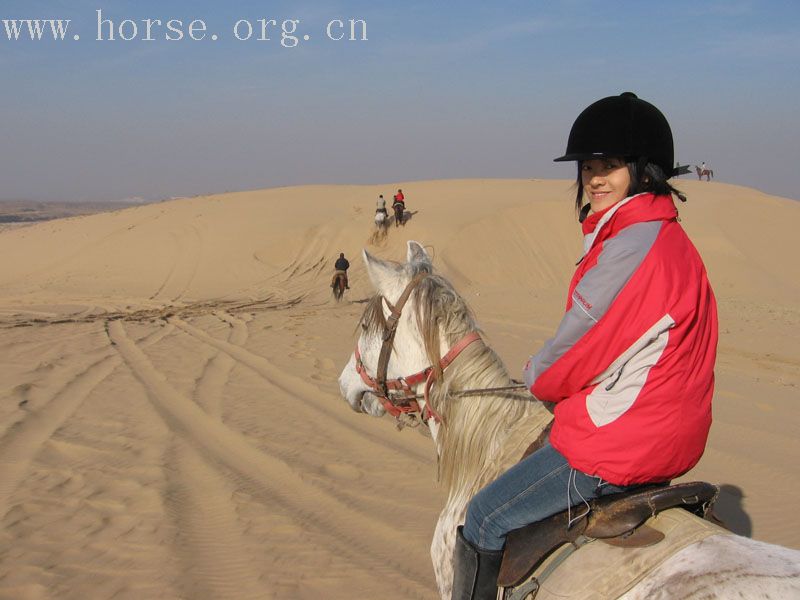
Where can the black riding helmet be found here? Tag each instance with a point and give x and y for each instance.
(622, 126)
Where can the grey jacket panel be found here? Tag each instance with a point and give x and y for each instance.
(597, 289)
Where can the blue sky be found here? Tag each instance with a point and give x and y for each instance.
(439, 90)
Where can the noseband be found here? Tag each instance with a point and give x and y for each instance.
(397, 395)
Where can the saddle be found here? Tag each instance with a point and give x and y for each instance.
(617, 519)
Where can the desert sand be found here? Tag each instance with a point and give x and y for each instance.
(170, 421)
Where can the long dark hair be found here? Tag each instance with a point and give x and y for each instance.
(645, 177)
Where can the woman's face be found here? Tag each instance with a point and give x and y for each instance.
(605, 181)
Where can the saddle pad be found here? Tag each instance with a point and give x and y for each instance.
(598, 571)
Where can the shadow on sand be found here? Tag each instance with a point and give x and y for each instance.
(730, 511)
(407, 216)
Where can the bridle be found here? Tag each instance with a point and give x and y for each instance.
(397, 395)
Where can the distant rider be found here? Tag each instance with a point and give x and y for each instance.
(341, 265)
(399, 206)
(381, 206)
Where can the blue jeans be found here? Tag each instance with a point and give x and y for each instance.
(537, 487)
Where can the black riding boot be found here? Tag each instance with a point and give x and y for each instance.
(474, 571)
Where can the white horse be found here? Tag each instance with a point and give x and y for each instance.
(381, 227)
(480, 436)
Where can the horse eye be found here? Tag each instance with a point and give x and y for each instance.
(364, 326)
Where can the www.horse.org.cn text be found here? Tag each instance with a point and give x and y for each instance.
(285, 32)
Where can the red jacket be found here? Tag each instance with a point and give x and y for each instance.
(631, 367)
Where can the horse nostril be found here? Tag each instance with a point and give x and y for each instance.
(358, 402)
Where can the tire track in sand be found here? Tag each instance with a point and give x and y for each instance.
(212, 538)
(193, 257)
(210, 535)
(209, 386)
(22, 442)
(303, 502)
(209, 390)
(185, 264)
(298, 388)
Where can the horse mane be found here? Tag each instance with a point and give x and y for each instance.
(477, 429)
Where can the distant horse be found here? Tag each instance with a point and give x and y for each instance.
(381, 218)
(338, 286)
(381, 227)
(480, 436)
(399, 208)
(708, 173)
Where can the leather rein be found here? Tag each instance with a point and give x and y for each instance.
(397, 395)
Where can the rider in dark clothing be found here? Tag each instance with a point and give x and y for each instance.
(341, 265)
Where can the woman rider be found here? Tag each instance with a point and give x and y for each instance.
(630, 369)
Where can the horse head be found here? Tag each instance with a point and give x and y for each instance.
(437, 349)
(389, 279)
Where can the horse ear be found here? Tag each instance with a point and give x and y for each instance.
(417, 254)
(381, 273)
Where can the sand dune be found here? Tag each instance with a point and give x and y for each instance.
(170, 423)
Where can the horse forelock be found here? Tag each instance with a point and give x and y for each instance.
(372, 320)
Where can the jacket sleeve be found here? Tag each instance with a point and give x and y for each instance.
(618, 260)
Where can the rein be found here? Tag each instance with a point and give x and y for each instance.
(478, 391)
(396, 395)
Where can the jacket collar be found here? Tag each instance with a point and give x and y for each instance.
(639, 208)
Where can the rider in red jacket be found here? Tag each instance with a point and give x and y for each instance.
(631, 367)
